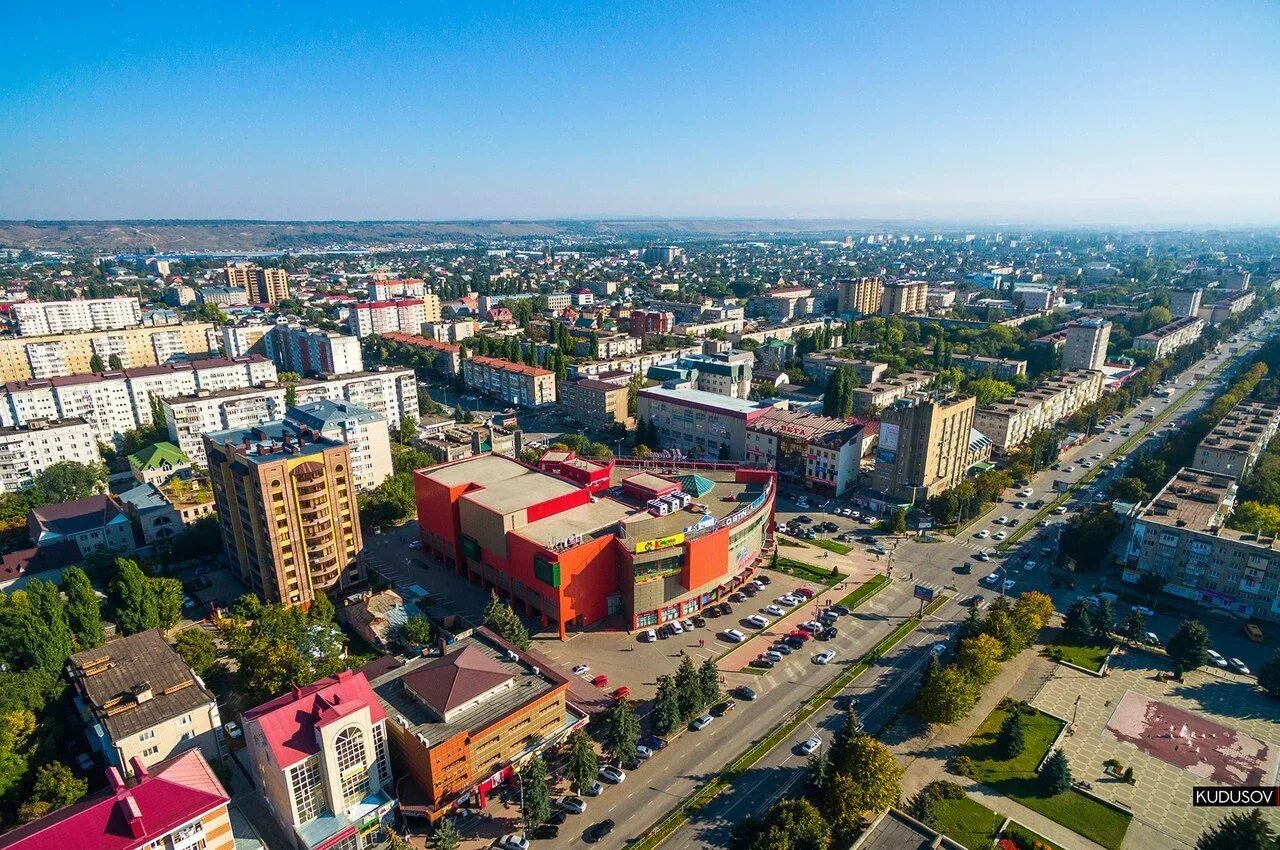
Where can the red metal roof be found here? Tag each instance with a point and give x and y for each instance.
(420, 341)
(289, 722)
(129, 814)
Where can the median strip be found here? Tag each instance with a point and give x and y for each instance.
(676, 817)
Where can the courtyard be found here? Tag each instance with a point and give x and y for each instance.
(1212, 728)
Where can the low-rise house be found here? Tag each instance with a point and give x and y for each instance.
(153, 516)
(376, 617)
(94, 523)
(158, 462)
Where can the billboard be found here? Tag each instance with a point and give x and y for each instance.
(923, 593)
(888, 437)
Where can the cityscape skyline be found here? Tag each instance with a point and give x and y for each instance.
(1042, 114)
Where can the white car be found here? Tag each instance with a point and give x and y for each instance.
(787, 601)
(993, 579)
(1216, 659)
(1027, 493)
(1060, 510)
(774, 610)
(1002, 520)
(1239, 666)
(733, 636)
(756, 621)
(824, 657)
(643, 752)
(232, 729)
(1097, 456)
(513, 841)
(676, 628)
(577, 805)
(701, 723)
(581, 670)
(1068, 469)
(415, 544)
(648, 636)
(1029, 566)
(611, 774)
(983, 534)
(1009, 584)
(1106, 439)
(810, 745)
(1000, 535)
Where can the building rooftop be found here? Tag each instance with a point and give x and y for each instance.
(325, 414)
(271, 441)
(37, 425)
(1193, 499)
(915, 377)
(289, 722)
(144, 497)
(722, 404)
(156, 455)
(67, 518)
(1243, 427)
(1173, 327)
(136, 682)
(420, 341)
(128, 814)
(304, 384)
(508, 366)
(810, 427)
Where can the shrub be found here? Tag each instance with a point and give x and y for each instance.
(962, 765)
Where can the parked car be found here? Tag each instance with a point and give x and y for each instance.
(597, 831)
(1216, 659)
(774, 610)
(1000, 535)
(824, 657)
(1239, 666)
(648, 636)
(699, 622)
(643, 752)
(733, 636)
(700, 723)
(762, 662)
(764, 579)
(842, 610)
(720, 709)
(676, 628)
(546, 831)
(745, 693)
(983, 534)
(595, 789)
(654, 742)
(1009, 585)
(974, 600)
(756, 621)
(803, 593)
(232, 729)
(810, 745)
(512, 841)
(581, 670)
(574, 804)
(612, 775)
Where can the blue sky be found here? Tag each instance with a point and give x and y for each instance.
(1127, 112)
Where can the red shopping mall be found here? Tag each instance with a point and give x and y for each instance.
(575, 541)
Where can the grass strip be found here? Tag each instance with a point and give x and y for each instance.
(832, 546)
(808, 572)
(865, 591)
(676, 817)
(967, 821)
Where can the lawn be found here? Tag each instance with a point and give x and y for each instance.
(1017, 778)
(787, 541)
(832, 546)
(1025, 837)
(1088, 657)
(806, 572)
(971, 823)
(865, 591)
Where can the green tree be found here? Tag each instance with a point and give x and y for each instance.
(16, 729)
(581, 764)
(114, 362)
(1003, 624)
(1056, 775)
(55, 786)
(196, 647)
(1087, 537)
(1269, 676)
(621, 733)
(408, 429)
(446, 836)
(898, 524)
(850, 728)
(980, 657)
(69, 480)
(709, 681)
(53, 632)
(84, 612)
(1012, 739)
(95, 363)
(1130, 490)
(875, 773)
(689, 688)
(989, 390)
(1188, 647)
(536, 792)
(792, 825)
(666, 706)
(321, 610)
(1256, 517)
(167, 595)
(1134, 626)
(276, 646)
(416, 631)
(1078, 622)
(1239, 831)
(948, 697)
(503, 621)
(1104, 619)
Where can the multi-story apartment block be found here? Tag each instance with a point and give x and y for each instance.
(449, 331)
(446, 358)
(408, 287)
(321, 758)
(698, 423)
(176, 805)
(884, 392)
(515, 383)
(286, 501)
(1184, 302)
(24, 357)
(1008, 424)
(860, 295)
(29, 449)
(636, 364)
(402, 315)
(818, 366)
(662, 254)
(904, 298)
(312, 351)
(45, 318)
(1167, 339)
(1086, 344)
(786, 303)
(1035, 299)
(242, 340)
(115, 402)
(365, 433)
(644, 322)
(940, 298)
(261, 286)
(1181, 536)
(460, 723)
(606, 346)
(598, 405)
(1229, 305)
(815, 452)
(926, 446)
(1234, 444)
(1000, 368)
(558, 301)
(726, 373)
(139, 700)
(392, 393)
(223, 296)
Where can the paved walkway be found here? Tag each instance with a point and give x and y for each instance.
(1002, 805)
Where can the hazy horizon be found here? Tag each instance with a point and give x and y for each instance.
(1026, 114)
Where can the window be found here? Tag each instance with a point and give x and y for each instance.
(307, 794)
(184, 720)
(150, 751)
(148, 735)
(352, 767)
(380, 754)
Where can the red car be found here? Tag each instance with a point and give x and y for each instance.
(801, 634)
(803, 593)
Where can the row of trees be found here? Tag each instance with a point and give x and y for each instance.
(853, 777)
(949, 692)
(682, 697)
(968, 498)
(1087, 537)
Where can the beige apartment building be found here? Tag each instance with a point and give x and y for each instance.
(904, 297)
(139, 699)
(1181, 536)
(860, 295)
(263, 286)
(26, 357)
(882, 393)
(515, 383)
(1234, 444)
(1086, 344)
(1008, 424)
(926, 446)
(1167, 339)
(287, 507)
(596, 404)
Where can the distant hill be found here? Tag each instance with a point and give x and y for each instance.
(179, 236)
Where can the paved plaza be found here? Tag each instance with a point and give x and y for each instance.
(1211, 728)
